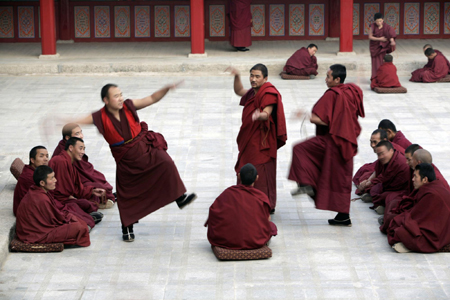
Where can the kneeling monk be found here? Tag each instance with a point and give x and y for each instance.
(386, 76)
(303, 62)
(240, 217)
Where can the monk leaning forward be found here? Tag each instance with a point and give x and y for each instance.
(437, 67)
(382, 41)
(303, 62)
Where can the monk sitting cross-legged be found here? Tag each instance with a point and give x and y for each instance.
(386, 75)
(303, 62)
(394, 136)
(438, 69)
(239, 218)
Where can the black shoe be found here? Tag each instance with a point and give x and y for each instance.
(115, 197)
(97, 216)
(128, 234)
(242, 49)
(185, 200)
(335, 222)
(272, 211)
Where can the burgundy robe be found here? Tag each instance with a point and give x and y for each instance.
(379, 49)
(146, 176)
(24, 183)
(40, 221)
(438, 69)
(424, 227)
(240, 23)
(385, 77)
(89, 176)
(326, 161)
(301, 63)
(401, 140)
(239, 219)
(258, 141)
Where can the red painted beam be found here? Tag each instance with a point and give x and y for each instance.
(48, 29)
(197, 27)
(346, 32)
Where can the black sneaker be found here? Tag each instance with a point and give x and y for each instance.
(97, 216)
(335, 222)
(185, 200)
(128, 234)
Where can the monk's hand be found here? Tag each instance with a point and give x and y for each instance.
(98, 192)
(362, 185)
(383, 39)
(299, 114)
(256, 115)
(175, 85)
(393, 43)
(233, 71)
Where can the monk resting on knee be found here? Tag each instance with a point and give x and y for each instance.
(40, 221)
(394, 136)
(423, 225)
(386, 76)
(239, 218)
(303, 62)
(438, 68)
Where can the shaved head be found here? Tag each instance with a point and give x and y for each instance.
(423, 156)
(67, 130)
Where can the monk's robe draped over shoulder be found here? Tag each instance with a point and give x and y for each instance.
(438, 69)
(240, 22)
(239, 219)
(146, 177)
(39, 221)
(301, 63)
(385, 77)
(379, 49)
(424, 226)
(401, 140)
(24, 183)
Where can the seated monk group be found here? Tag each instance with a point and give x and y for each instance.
(437, 67)
(386, 75)
(303, 62)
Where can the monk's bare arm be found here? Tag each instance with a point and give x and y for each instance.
(238, 87)
(155, 97)
(86, 120)
(316, 120)
(263, 115)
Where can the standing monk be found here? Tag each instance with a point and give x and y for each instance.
(438, 68)
(322, 166)
(241, 24)
(146, 176)
(382, 41)
(394, 136)
(303, 62)
(263, 129)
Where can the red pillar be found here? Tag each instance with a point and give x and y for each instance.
(48, 29)
(197, 27)
(346, 32)
(64, 18)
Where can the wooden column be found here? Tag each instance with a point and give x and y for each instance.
(346, 23)
(48, 29)
(197, 27)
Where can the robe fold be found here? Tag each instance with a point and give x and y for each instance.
(326, 161)
(385, 77)
(379, 49)
(401, 140)
(436, 68)
(259, 141)
(240, 23)
(423, 225)
(40, 221)
(146, 176)
(24, 183)
(239, 219)
(89, 176)
(301, 63)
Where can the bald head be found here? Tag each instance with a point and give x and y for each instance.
(421, 156)
(72, 130)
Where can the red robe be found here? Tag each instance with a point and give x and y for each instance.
(401, 140)
(24, 183)
(258, 141)
(40, 221)
(379, 49)
(146, 176)
(326, 161)
(301, 63)
(385, 77)
(240, 23)
(425, 227)
(89, 176)
(239, 219)
(438, 69)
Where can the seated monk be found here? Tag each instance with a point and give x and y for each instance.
(40, 221)
(303, 62)
(391, 175)
(38, 157)
(89, 176)
(386, 75)
(394, 136)
(239, 218)
(438, 69)
(423, 220)
(70, 189)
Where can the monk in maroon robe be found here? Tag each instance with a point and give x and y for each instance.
(394, 136)
(422, 223)
(89, 176)
(382, 41)
(322, 166)
(386, 76)
(303, 62)
(438, 69)
(241, 24)
(263, 129)
(240, 217)
(40, 221)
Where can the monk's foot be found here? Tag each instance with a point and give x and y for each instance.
(341, 219)
(127, 233)
(379, 210)
(109, 204)
(185, 200)
(97, 216)
(366, 198)
(303, 189)
(312, 76)
(242, 49)
(272, 211)
(400, 248)
(381, 220)
(115, 197)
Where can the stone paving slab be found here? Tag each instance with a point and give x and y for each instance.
(171, 257)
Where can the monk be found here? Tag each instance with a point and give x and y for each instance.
(394, 136)
(438, 69)
(146, 176)
(303, 62)
(422, 223)
(322, 166)
(386, 76)
(89, 176)
(241, 24)
(382, 41)
(38, 157)
(240, 217)
(40, 221)
(263, 129)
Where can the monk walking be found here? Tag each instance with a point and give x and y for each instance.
(263, 129)
(382, 41)
(386, 76)
(241, 24)
(322, 166)
(303, 62)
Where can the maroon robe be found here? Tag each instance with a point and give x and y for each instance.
(379, 49)
(239, 219)
(424, 227)
(385, 77)
(401, 140)
(326, 161)
(24, 183)
(146, 176)
(258, 141)
(438, 69)
(301, 63)
(240, 23)
(89, 176)
(40, 221)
